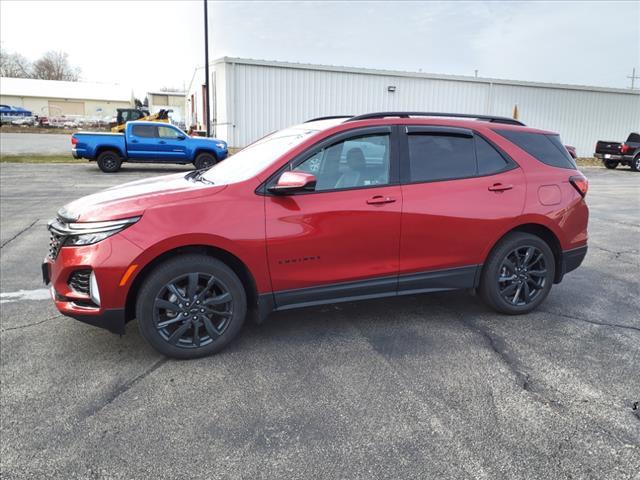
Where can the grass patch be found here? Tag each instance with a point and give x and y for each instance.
(588, 162)
(39, 159)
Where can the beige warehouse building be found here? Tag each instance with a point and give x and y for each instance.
(57, 98)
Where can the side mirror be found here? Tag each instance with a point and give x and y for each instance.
(180, 137)
(290, 182)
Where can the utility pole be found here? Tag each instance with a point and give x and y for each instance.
(633, 78)
(206, 70)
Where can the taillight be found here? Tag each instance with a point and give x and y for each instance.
(74, 140)
(624, 148)
(580, 183)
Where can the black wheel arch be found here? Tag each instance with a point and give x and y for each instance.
(543, 233)
(101, 150)
(233, 262)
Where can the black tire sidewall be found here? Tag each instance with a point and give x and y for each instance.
(204, 160)
(167, 271)
(107, 156)
(635, 163)
(489, 285)
(610, 164)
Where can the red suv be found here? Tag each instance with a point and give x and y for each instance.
(335, 209)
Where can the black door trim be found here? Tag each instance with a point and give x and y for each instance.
(423, 282)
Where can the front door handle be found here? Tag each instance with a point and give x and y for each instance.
(380, 200)
(162, 142)
(134, 141)
(499, 187)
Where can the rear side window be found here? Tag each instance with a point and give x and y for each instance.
(149, 131)
(545, 148)
(440, 157)
(489, 159)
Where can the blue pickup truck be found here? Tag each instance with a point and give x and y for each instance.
(147, 142)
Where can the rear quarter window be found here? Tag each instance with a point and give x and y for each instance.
(546, 148)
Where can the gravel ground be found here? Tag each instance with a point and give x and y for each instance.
(429, 386)
(36, 143)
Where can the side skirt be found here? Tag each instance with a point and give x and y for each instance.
(424, 282)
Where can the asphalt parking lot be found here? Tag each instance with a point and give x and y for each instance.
(430, 386)
(34, 143)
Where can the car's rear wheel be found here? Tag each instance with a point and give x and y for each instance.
(518, 274)
(610, 164)
(191, 306)
(109, 161)
(635, 164)
(204, 160)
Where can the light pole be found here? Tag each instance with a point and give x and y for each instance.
(206, 70)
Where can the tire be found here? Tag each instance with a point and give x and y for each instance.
(635, 163)
(610, 164)
(204, 160)
(497, 294)
(180, 329)
(109, 161)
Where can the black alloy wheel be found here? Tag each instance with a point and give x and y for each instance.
(109, 162)
(522, 275)
(191, 306)
(193, 310)
(518, 274)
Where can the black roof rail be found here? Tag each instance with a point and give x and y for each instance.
(330, 117)
(486, 118)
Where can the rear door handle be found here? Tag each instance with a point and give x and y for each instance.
(380, 200)
(162, 142)
(134, 141)
(499, 187)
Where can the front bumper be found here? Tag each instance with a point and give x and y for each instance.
(109, 260)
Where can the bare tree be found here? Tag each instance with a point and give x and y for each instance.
(14, 65)
(55, 66)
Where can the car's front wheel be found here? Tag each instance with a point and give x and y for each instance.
(191, 306)
(204, 160)
(518, 274)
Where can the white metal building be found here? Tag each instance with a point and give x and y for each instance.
(250, 98)
(55, 98)
(168, 101)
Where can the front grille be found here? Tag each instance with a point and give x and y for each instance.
(79, 281)
(56, 241)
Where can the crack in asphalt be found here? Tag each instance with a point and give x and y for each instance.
(593, 322)
(614, 252)
(121, 389)
(19, 233)
(18, 327)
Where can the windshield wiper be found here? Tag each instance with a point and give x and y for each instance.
(197, 176)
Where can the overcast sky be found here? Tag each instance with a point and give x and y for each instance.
(151, 44)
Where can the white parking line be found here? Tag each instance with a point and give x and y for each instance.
(37, 294)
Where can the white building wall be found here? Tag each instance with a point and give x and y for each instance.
(254, 98)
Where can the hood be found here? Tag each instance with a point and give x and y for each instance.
(133, 198)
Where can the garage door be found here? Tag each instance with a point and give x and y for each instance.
(63, 107)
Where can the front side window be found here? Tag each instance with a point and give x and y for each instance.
(357, 162)
(147, 131)
(440, 157)
(168, 132)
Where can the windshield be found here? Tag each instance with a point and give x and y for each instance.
(256, 157)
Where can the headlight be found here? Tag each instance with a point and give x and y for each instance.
(221, 145)
(76, 234)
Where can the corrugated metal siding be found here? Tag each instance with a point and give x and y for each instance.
(260, 98)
